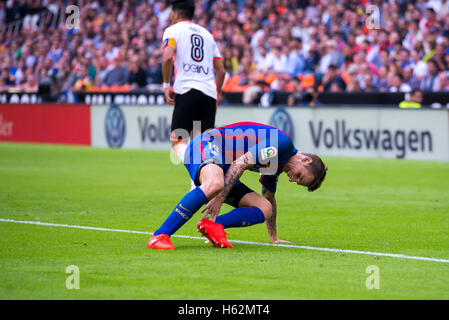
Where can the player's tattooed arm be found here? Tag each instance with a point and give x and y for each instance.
(270, 221)
(236, 170)
(233, 174)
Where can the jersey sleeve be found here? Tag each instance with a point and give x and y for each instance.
(168, 38)
(286, 149)
(269, 182)
(217, 55)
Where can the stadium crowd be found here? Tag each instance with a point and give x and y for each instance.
(303, 46)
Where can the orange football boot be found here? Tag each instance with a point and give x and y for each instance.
(161, 242)
(214, 232)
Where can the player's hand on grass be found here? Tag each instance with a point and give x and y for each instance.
(279, 241)
(169, 96)
(212, 209)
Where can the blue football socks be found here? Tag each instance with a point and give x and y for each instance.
(241, 217)
(185, 209)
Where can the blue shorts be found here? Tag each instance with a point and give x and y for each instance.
(203, 150)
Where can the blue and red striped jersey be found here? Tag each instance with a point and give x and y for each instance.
(270, 147)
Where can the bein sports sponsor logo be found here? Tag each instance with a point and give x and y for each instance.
(195, 68)
(282, 120)
(115, 127)
(5, 127)
(342, 137)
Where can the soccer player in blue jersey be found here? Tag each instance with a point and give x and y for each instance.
(217, 159)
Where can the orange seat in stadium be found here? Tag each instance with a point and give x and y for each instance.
(96, 89)
(125, 88)
(227, 85)
(117, 88)
(307, 80)
(270, 78)
(258, 77)
(231, 84)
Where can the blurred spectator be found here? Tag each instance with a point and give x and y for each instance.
(419, 66)
(404, 58)
(30, 84)
(47, 83)
(444, 82)
(312, 58)
(137, 76)
(431, 82)
(446, 65)
(276, 61)
(353, 86)
(154, 71)
(84, 83)
(383, 79)
(119, 75)
(231, 61)
(440, 52)
(280, 84)
(331, 57)
(8, 80)
(260, 56)
(253, 92)
(266, 38)
(296, 96)
(414, 101)
(295, 59)
(310, 98)
(368, 84)
(2, 13)
(332, 77)
(102, 70)
(397, 84)
(410, 79)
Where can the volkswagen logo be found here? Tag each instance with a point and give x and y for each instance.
(282, 120)
(115, 127)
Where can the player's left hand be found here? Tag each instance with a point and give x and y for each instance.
(169, 96)
(212, 209)
(279, 241)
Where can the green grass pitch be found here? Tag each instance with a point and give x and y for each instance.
(389, 206)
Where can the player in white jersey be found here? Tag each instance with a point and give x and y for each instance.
(199, 75)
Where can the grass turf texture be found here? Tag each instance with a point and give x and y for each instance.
(376, 205)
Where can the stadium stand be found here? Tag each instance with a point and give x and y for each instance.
(299, 47)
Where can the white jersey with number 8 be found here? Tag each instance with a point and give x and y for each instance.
(195, 52)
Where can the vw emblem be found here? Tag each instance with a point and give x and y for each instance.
(282, 120)
(115, 127)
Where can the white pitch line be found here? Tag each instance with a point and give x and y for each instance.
(391, 255)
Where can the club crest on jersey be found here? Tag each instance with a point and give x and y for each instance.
(268, 153)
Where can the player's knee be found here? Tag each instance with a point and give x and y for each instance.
(266, 208)
(212, 188)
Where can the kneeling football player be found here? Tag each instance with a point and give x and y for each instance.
(217, 159)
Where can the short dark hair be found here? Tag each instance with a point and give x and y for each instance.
(416, 90)
(434, 62)
(186, 8)
(318, 169)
